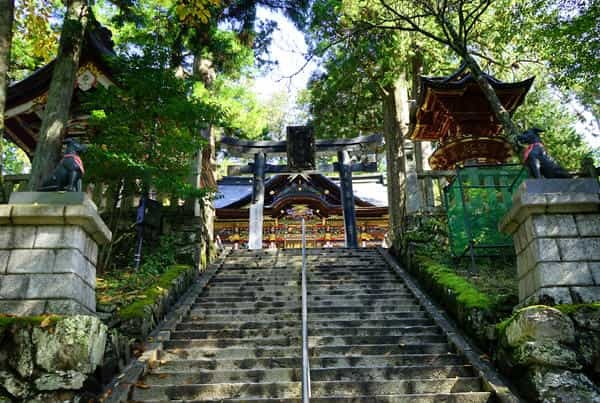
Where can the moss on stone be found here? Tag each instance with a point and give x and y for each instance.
(569, 309)
(9, 320)
(150, 295)
(466, 293)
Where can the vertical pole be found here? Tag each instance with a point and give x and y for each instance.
(347, 199)
(255, 235)
(305, 360)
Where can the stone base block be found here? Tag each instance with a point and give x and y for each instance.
(40, 307)
(48, 253)
(59, 286)
(555, 226)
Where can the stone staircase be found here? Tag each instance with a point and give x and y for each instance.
(369, 339)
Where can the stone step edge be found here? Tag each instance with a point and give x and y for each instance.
(443, 397)
(318, 369)
(491, 380)
(119, 389)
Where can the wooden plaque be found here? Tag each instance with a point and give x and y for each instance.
(300, 148)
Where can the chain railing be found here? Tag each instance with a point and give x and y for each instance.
(305, 358)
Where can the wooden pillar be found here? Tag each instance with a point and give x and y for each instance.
(255, 235)
(345, 168)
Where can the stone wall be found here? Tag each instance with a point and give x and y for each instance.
(553, 356)
(49, 360)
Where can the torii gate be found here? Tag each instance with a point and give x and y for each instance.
(300, 148)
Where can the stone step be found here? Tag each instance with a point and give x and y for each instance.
(243, 391)
(184, 331)
(317, 341)
(277, 375)
(391, 360)
(373, 302)
(247, 304)
(381, 349)
(402, 360)
(286, 390)
(249, 294)
(367, 315)
(245, 311)
(353, 287)
(264, 298)
(408, 320)
(404, 306)
(345, 298)
(259, 276)
(176, 350)
(404, 386)
(374, 331)
(462, 397)
(349, 278)
(187, 377)
(228, 364)
(244, 290)
(398, 289)
(195, 323)
(193, 342)
(260, 317)
(224, 285)
(390, 373)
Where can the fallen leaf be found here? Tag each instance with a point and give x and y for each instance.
(46, 322)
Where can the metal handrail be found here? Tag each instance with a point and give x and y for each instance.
(305, 360)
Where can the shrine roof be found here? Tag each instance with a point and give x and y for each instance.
(26, 98)
(369, 191)
(455, 105)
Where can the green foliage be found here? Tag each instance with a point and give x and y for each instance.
(35, 40)
(243, 116)
(567, 36)
(146, 129)
(14, 160)
(161, 257)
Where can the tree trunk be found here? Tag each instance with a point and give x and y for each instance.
(206, 158)
(395, 126)
(510, 129)
(56, 112)
(6, 20)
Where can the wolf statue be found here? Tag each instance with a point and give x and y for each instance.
(535, 158)
(67, 175)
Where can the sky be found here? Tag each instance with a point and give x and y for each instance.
(288, 48)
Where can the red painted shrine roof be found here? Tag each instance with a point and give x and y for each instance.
(454, 106)
(454, 112)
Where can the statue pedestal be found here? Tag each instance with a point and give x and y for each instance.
(555, 224)
(48, 253)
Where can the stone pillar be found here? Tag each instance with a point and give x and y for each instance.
(413, 196)
(555, 224)
(48, 253)
(255, 233)
(345, 168)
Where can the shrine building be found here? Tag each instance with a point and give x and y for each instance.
(318, 195)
